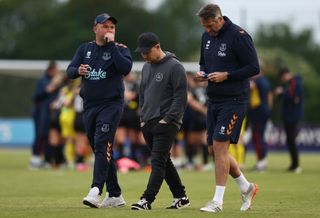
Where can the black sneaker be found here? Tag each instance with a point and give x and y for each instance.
(143, 204)
(179, 203)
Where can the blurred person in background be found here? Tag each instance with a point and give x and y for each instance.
(82, 147)
(227, 60)
(177, 150)
(46, 91)
(102, 64)
(66, 120)
(238, 151)
(55, 138)
(162, 102)
(129, 140)
(196, 137)
(260, 104)
(292, 112)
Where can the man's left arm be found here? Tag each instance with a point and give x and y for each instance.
(245, 52)
(179, 102)
(121, 58)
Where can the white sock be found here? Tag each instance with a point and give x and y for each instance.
(218, 195)
(242, 183)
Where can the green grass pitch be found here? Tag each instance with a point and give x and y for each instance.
(58, 194)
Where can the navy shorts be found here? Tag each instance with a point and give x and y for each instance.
(224, 121)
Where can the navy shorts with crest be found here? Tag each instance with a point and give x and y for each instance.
(224, 121)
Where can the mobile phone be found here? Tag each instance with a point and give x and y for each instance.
(205, 74)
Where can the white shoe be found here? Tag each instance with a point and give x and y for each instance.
(35, 162)
(93, 198)
(297, 170)
(112, 202)
(207, 167)
(213, 207)
(248, 196)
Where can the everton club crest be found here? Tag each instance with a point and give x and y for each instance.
(106, 56)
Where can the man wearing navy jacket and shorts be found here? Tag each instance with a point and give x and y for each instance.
(102, 64)
(228, 58)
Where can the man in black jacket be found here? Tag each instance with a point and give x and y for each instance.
(162, 102)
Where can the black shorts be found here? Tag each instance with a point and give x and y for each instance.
(224, 121)
(78, 122)
(130, 119)
(54, 119)
(197, 122)
(186, 120)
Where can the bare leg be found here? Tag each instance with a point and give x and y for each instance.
(222, 162)
(234, 167)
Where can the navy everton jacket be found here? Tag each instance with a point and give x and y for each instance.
(107, 66)
(231, 51)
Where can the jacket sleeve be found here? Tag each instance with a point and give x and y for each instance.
(245, 52)
(202, 62)
(72, 70)
(121, 58)
(179, 102)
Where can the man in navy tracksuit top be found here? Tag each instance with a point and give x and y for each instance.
(102, 64)
(228, 58)
(292, 112)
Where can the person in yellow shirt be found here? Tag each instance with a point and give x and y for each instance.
(238, 151)
(67, 118)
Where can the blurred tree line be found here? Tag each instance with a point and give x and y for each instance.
(53, 29)
(278, 46)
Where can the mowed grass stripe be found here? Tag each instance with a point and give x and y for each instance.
(56, 193)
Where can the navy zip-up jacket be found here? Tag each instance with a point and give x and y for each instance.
(231, 51)
(292, 109)
(107, 66)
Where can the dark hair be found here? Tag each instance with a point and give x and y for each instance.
(283, 71)
(51, 65)
(209, 11)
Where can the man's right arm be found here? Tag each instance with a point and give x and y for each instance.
(202, 61)
(73, 68)
(201, 75)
